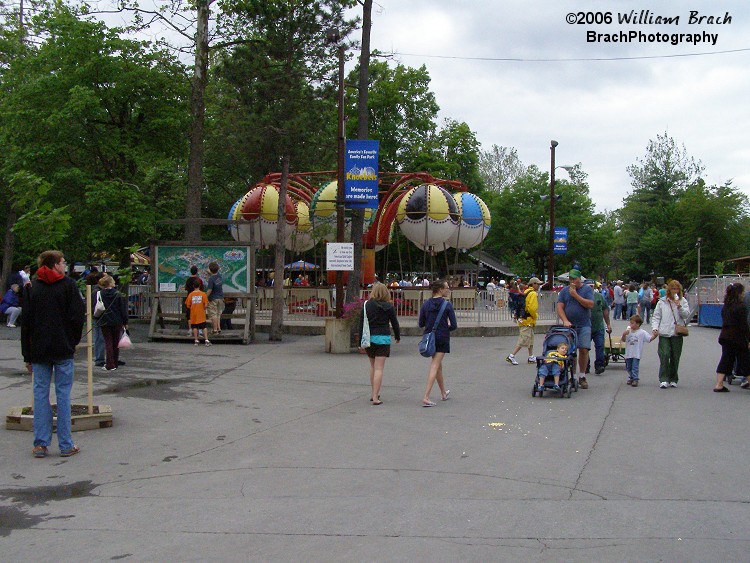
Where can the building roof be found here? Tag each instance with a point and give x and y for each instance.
(462, 267)
(742, 262)
(486, 259)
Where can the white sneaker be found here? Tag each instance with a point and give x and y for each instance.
(663, 385)
(532, 359)
(511, 359)
(673, 384)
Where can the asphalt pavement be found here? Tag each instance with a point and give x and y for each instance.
(272, 452)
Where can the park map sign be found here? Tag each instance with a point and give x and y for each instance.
(173, 266)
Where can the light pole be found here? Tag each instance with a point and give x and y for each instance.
(551, 256)
(698, 280)
(552, 200)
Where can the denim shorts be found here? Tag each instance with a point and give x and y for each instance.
(584, 337)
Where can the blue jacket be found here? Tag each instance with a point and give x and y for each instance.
(9, 300)
(428, 314)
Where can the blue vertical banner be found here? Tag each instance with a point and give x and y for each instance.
(560, 240)
(361, 167)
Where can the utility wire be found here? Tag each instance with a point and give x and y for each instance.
(523, 60)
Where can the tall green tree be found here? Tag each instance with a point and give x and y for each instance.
(12, 45)
(718, 215)
(451, 153)
(500, 167)
(669, 208)
(287, 55)
(647, 217)
(92, 116)
(520, 224)
(402, 112)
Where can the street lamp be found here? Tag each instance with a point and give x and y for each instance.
(552, 200)
(698, 281)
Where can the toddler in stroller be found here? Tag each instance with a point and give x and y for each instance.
(552, 364)
(555, 369)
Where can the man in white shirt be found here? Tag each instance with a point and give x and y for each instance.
(25, 277)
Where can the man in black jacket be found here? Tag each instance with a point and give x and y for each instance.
(51, 327)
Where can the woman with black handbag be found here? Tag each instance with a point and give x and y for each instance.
(669, 322)
(430, 319)
(734, 336)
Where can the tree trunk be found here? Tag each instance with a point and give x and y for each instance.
(277, 314)
(198, 117)
(8, 246)
(358, 215)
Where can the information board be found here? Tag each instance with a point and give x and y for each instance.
(340, 256)
(173, 266)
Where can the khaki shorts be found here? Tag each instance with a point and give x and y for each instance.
(215, 309)
(525, 336)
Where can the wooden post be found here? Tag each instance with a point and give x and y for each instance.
(89, 350)
(249, 331)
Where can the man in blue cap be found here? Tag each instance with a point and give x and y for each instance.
(574, 304)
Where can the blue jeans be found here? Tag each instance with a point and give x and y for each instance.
(632, 366)
(597, 338)
(98, 345)
(618, 310)
(632, 310)
(63, 371)
(646, 311)
(545, 370)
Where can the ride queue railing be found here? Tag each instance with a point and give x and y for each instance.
(470, 305)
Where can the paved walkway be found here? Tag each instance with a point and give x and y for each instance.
(272, 452)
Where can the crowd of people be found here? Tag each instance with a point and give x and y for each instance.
(52, 313)
(588, 308)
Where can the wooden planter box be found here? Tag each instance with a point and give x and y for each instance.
(102, 418)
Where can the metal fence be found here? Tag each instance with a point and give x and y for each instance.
(304, 302)
(139, 301)
(711, 289)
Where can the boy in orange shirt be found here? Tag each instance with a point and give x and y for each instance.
(196, 303)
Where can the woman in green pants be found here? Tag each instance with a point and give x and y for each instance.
(671, 310)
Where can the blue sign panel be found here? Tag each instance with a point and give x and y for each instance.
(361, 167)
(560, 240)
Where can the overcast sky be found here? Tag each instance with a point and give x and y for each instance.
(602, 112)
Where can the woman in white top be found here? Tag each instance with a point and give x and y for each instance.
(672, 309)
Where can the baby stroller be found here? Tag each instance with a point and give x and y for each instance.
(568, 382)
